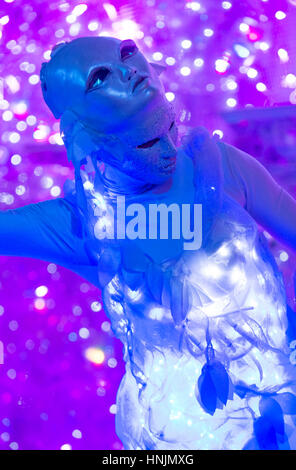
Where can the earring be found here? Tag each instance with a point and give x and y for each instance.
(159, 68)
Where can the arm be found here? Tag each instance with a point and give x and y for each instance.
(253, 187)
(50, 231)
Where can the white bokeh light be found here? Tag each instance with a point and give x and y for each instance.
(185, 71)
(231, 102)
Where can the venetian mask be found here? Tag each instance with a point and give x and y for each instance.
(115, 94)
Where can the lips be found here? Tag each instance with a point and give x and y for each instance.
(169, 164)
(137, 82)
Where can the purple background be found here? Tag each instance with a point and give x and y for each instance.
(52, 393)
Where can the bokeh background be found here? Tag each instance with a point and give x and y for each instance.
(230, 67)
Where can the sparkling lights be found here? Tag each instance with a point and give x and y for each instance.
(252, 73)
(208, 32)
(186, 44)
(95, 355)
(198, 62)
(289, 81)
(241, 50)
(195, 6)
(261, 86)
(185, 71)
(231, 102)
(280, 15)
(283, 55)
(226, 5)
(79, 9)
(170, 96)
(221, 65)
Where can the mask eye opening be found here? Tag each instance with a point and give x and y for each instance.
(148, 144)
(98, 73)
(127, 45)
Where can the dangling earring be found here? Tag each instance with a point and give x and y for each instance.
(159, 68)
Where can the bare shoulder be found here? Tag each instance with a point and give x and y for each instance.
(237, 157)
(236, 165)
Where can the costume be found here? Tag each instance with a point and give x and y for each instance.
(204, 330)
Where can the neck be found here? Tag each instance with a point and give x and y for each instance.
(117, 182)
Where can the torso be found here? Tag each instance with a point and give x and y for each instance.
(164, 317)
(164, 303)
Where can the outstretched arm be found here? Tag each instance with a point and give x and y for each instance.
(48, 230)
(266, 201)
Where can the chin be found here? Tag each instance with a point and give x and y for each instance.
(152, 97)
(162, 177)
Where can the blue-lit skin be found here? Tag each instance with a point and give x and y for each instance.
(207, 360)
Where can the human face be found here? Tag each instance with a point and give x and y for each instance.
(100, 83)
(153, 161)
(123, 86)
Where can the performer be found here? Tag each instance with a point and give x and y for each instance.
(208, 365)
